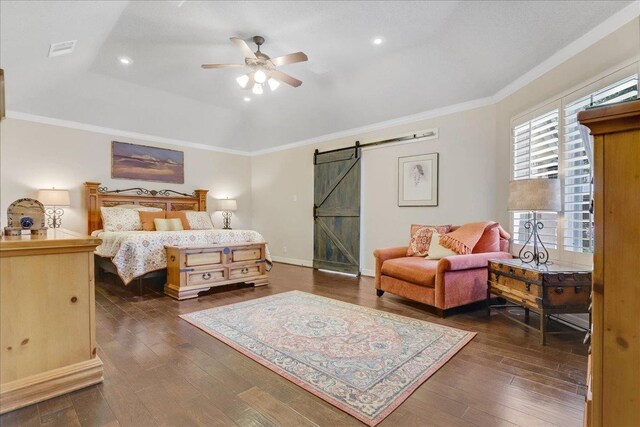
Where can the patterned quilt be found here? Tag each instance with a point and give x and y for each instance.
(135, 253)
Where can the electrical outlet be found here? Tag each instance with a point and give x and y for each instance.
(284, 249)
(295, 198)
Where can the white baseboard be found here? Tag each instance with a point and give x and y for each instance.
(293, 261)
(309, 263)
(367, 272)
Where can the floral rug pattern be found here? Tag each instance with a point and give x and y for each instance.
(363, 361)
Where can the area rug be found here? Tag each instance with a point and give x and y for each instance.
(364, 361)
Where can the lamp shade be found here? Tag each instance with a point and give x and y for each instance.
(227, 205)
(52, 197)
(535, 195)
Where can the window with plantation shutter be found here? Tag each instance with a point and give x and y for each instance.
(576, 165)
(535, 155)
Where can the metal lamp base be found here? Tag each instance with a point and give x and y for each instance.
(226, 220)
(539, 255)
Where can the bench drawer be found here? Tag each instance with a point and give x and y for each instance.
(246, 254)
(246, 271)
(207, 276)
(204, 258)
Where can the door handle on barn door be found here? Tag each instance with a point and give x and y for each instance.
(315, 212)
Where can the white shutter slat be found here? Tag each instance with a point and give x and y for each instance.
(576, 170)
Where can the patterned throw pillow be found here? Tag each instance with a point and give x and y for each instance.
(421, 238)
(199, 220)
(120, 219)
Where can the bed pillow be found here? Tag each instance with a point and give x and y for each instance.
(139, 208)
(436, 250)
(199, 220)
(120, 219)
(180, 215)
(163, 224)
(147, 218)
(421, 238)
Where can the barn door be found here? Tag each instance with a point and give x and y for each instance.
(336, 210)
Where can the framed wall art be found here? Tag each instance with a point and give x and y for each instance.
(418, 180)
(140, 162)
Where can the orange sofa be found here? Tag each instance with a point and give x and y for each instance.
(444, 284)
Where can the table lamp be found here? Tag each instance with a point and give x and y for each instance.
(54, 200)
(534, 195)
(227, 206)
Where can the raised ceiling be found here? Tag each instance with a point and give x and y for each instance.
(434, 54)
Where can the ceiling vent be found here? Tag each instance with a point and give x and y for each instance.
(62, 48)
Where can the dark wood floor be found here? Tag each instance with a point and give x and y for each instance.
(160, 370)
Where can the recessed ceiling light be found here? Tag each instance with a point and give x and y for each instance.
(125, 60)
(247, 99)
(377, 40)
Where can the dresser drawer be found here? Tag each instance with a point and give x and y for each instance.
(245, 254)
(204, 258)
(246, 271)
(205, 276)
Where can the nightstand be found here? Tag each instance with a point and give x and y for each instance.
(546, 289)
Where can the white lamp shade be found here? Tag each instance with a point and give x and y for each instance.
(54, 197)
(227, 205)
(535, 195)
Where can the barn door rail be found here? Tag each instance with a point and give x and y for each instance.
(357, 145)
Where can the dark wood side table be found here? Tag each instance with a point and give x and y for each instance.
(546, 289)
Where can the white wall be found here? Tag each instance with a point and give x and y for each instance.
(466, 146)
(35, 155)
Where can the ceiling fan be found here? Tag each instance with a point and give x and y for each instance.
(263, 68)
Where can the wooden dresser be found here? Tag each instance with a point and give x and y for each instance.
(194, 269)
(613, 396)
(47, 317)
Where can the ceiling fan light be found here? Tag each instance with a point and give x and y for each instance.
(260, 76)
(257, 89)
(273, 84)
(243, 80)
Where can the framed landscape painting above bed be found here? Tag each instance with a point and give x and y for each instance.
(141, 162)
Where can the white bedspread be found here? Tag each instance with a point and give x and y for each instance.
(135, 253)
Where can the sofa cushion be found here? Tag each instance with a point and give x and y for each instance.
(489, 241)
(416, 270)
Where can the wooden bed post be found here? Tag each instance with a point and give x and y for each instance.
(202, 199)
(93, 212)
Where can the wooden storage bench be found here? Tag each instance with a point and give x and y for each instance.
(193, 269)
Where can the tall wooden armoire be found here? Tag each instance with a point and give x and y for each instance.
(613, 398)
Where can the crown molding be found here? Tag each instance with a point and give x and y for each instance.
(119, 132)
(413, 118)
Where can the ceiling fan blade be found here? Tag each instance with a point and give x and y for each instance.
(208, 66)
(291, 58)
(246, 50)
(284, 78)
(250, 82)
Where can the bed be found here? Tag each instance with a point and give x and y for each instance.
(138, 254)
